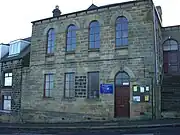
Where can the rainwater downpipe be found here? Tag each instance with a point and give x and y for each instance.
(156, 64)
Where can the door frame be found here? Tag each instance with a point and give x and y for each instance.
(129, 110)
(168, 64)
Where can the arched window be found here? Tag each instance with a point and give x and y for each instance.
(71, 38)
(121, 31)
(51, 41)
(122, 78)
(170, 45)
(94, 35)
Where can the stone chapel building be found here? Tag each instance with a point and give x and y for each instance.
(110, 62)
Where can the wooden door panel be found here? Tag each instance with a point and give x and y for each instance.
(173, 62)
(122, 98)
(165, 61)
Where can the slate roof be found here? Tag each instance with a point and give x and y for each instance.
(23, 53)
(27, 39)
(110, 5)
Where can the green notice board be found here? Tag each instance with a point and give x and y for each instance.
(141, 93)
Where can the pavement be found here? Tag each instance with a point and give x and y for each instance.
(99, 124)
(117, 127)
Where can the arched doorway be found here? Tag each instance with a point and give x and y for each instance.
(122, 95)
(171, 57)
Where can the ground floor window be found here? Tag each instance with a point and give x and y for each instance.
(49, 84)
(6, 103)
(69, 90)
(93, 85)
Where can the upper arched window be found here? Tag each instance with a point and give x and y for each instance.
(170, 45)
(71, 38)
(51, 41)
(121, 31)
(94, 35)
(122, 78)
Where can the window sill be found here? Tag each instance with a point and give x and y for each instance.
(7, 87)
(94, 50)
(69, 52)
(68, 99)
(93, 99)
(5, 111)
(50, 55)
(48, 98)
(122, 47)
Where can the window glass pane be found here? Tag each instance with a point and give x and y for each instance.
(68, 41)
(124, 41)
(69, 85)
(125, 75)
(74, 34)
(5, 97)
(47, 93)
(91, 31)
(47, 78)
(125, 26)
(122, 79)
(10, 74)
(52, 49)
(92, 44)
(93, 84)
(67, 93)
(166, 48)
(124, 34)
(7, 105)
(118, 42)
(67, 78)
(8, 81)
(91, 38)
(51, 77)
(97, 37)
(118, 27)
(124, 19)
(69, 34)
(9, 97)
(51, 85)
(49, 50)
(72, 93)
(51, 41)
(97, 44)
(47, 86)
(6, 74)
(73, 46)
(73, 40)
(96, 30)
(172, 42)
(174, 47)
(69, 48)
(118, 34)
(50, 93)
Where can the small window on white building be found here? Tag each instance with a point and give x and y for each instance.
(8, 79)
(6, 103)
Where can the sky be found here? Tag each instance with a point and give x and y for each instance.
(17, 15)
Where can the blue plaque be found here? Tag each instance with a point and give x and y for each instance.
(106, 88)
